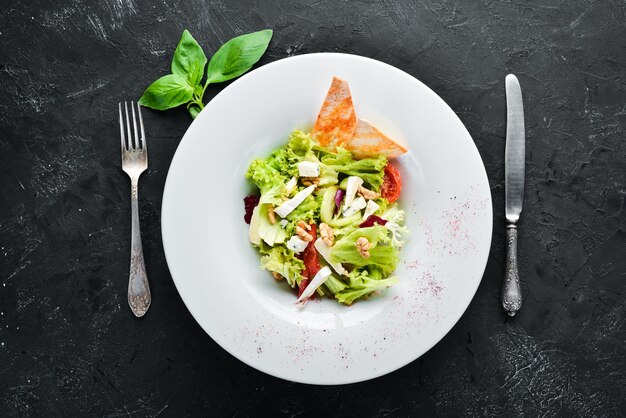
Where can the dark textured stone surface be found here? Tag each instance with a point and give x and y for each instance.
(69, 344)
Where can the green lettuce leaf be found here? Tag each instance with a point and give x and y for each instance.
(308, 210)
(304, 147)
(282, 261)
(345, 230)
(328, 176)
(300, 143)
(273, 195)
(362, 284)
(384, 257)
(275, 170)
(285, 162)
(371, 170)
(334, 285)
(270, 233)
(271, 174)
(264, 176)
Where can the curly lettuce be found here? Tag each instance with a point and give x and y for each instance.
(264, 176)
(363, 283)
(395, 220)
(300, 143)
(308, 210)
(282, 261)
(272, 173)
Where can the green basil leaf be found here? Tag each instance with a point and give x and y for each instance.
(189, 59)
(167, 92)
(194, 111)
(237, 56)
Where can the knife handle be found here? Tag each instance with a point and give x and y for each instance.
(511, 289)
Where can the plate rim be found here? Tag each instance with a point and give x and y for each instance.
(440, 335)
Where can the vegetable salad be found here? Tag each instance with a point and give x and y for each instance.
(325, 222)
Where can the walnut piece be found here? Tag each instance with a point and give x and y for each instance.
(301, 229)
(309, 181)
(304, 225)
(363, 245)
(277, 276)
(271, 215)
(327, 234)
(368, 194)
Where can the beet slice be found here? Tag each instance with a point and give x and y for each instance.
(250, 202)
(372, 220)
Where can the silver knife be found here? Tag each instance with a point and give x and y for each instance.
(514, 159)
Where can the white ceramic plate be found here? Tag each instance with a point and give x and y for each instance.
(446, 196)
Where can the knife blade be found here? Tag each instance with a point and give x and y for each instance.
(514, 161)
(514, 153)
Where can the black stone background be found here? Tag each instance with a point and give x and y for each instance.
(69, 344)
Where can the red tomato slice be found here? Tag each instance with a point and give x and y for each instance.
(311, 262)
(303, 284)
(309, 255)
(392, 184)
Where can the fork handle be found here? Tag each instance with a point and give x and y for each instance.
(511, 289)
(138, 288)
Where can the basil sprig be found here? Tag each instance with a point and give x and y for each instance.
(184, 84)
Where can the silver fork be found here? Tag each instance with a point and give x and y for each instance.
(135, 162)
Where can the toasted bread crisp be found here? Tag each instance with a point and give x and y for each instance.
(370, 142)
(336, 122)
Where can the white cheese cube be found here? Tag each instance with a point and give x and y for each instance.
(354, 182)
(358, 204)
(308, 169)
(370, 209)
(317, 281)
(287, 207)
(324, 251)
(297, 244)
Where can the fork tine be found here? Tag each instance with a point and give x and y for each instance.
(131, 145)
(143, 133)
(137, 142)
(123, 137)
